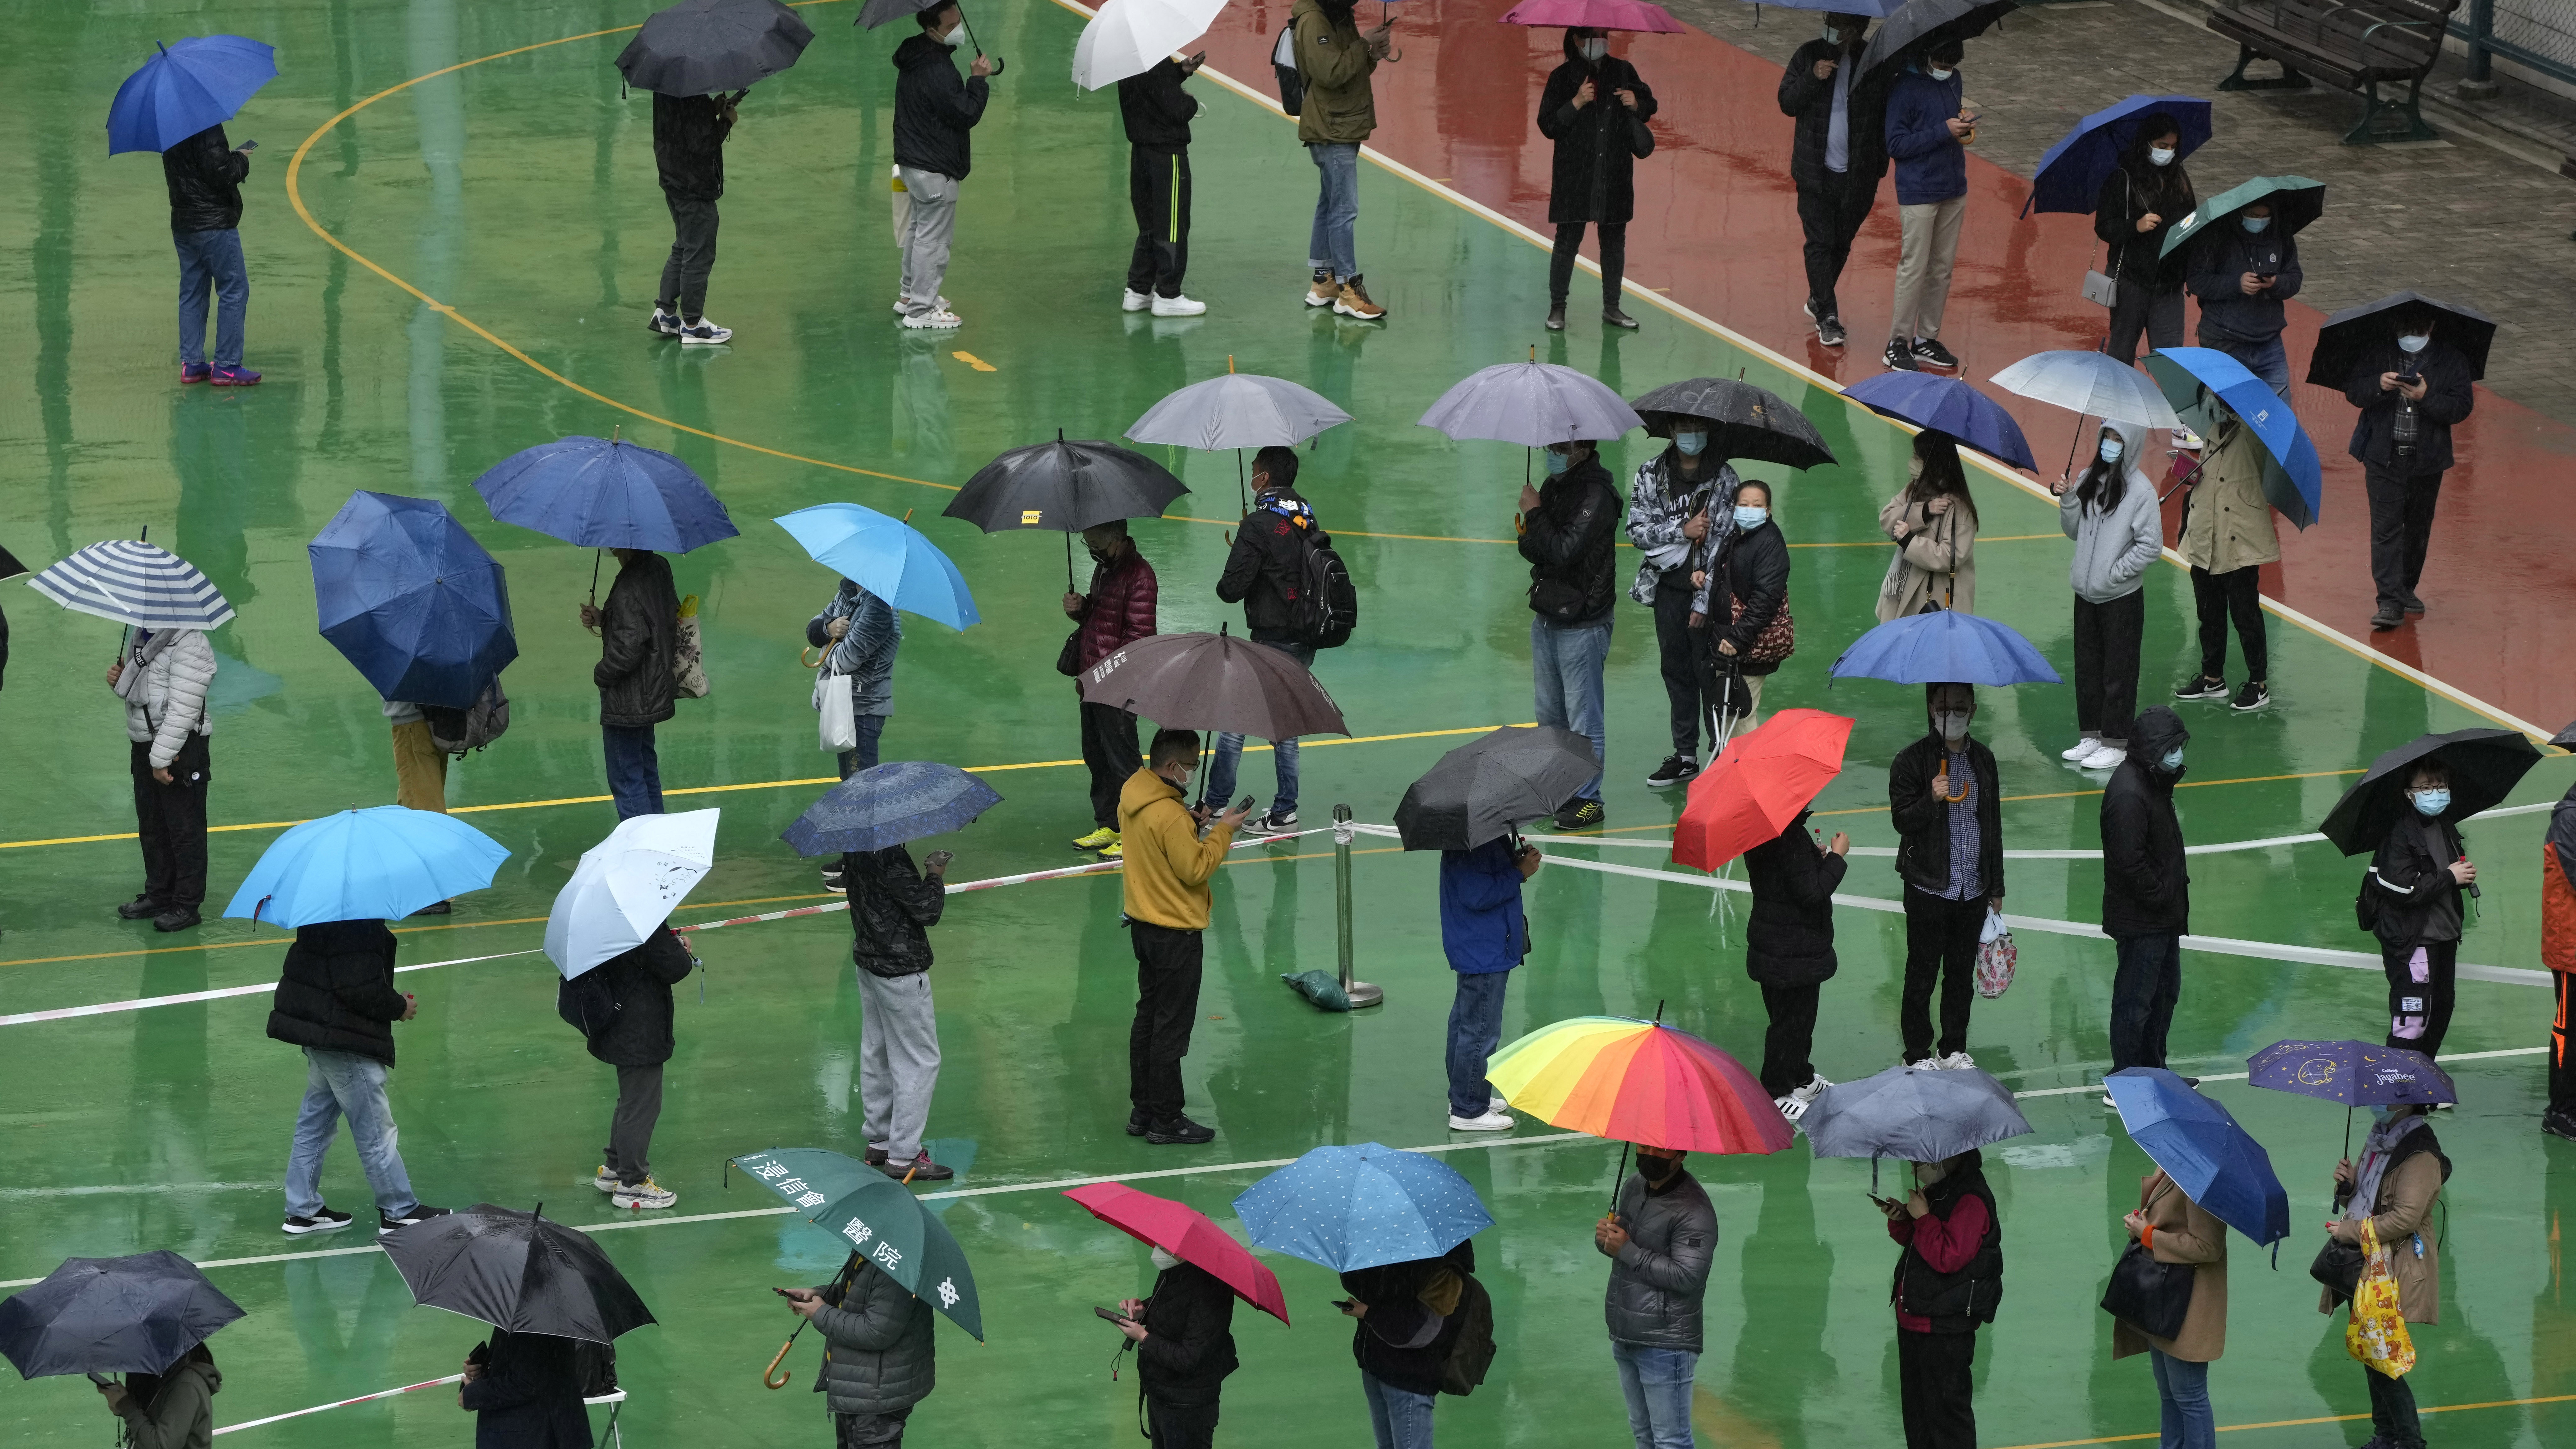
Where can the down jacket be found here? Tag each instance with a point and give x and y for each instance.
(1340, 108)
(1571, 537)
(1789, 937)
(892, 908)
(2114, 548)
(879, 1352)
(866, 652)
(639, 631)
(337, 994)
(1660, 1275)
(1752, 565)
(204, 176)
(2146, 884)
(623, 1004)
(1119, 610)
(178, 669)
(1189, 1337)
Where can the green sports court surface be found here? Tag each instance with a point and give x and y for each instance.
(498, 236)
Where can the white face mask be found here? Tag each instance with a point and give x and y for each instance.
(1940, 74)
(2414, 343)
(1953, 724)
(1165, 1261)
(1928, 1173)
(954, 38)
(2161, 155)
(1594, 49)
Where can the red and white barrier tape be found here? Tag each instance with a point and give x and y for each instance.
(105, 1007)
(342, 1404)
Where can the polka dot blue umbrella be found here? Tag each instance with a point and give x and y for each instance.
(1357, 1207)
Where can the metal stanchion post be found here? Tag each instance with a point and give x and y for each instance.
(1360, 992)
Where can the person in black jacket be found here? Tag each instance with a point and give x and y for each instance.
(1409, 1320)
(688, 155)
(2140, 201)
(2416, 881)
(2411, 389)
(933, 111)
(1570, 534)
(1184, 1337)
(337, 1001)
(892, 907)
(1263, 572)
(525, 1393)
(639, 631)
(2146, 890)
(1594, 107)
(1748, 586)
(2242, 269)
(1945, 800)
(1837, 158)
(1789, 952)
(204, 174)
(623, 1006)
(1157, 112)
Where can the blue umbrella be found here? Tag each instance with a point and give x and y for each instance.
(2355, 1073)
(2071, 172)
(2200, 1147)
(408, 595)
(366, 865)
(1357, 1207)
(2191, 376)
(184, 88)
(1944, 647)
(887, 805)
(1949, 405)
(885, 556)
(605, 493)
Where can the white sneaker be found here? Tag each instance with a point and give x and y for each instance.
(1792, 1107)
(2186, 439)
(1956, 1062)
(1490, 1122)
(663, 324)
(1927, 1064)
(703, 333)
(2081, 748)
(604, 1180)
(1177, 307)
(1135, 301)
(1815, 1088)
(2103, 757)
(1498, 1105)
(645, 1194)
(942, 304)
(937, 317)
(2107, 1102)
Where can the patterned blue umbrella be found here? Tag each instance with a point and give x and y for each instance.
(885, 556)
(1948, 405)
(366, 865)
(888, 805)
(135, 583)
(605, 493)
(2198, 1144)
(2355, 1073)
(1357, 1207)
(408, 595)
(1944, 647)
(184, 88)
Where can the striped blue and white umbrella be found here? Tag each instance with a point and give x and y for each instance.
(135, 583)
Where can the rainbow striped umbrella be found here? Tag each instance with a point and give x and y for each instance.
(1638, 1081)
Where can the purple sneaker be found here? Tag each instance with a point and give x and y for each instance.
(234, 377)
(194, 372)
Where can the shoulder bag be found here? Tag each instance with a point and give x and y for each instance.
(2101, 289)
(2151, 1297)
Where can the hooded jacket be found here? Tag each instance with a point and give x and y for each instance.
(1165, 880)
(688, 146)
(2227, 521)
(528, 1395)
(178, 671)
(337, 993)
(1154, 108)
(1660, 501)
(1594, 174)
(180, 1412)
(866, 651)
(639, 631)
(1413, 1319)
(879, 1345)
(623, 1004)
(1752, 564)
(2137, 258)
(1570, 539)
(1340, 108)
(1189, 1337)
(1267, 564)
(1937, 562)
(934, 108)
(2113, 549)
(204, 175)
(1789, 936)
(2419, 902)
(2220, 257)
(2558, 887)
(892, 908)
(1922, 818)
(1661, 1272)
(2146, 885)
(1119, 610)
(1482, 927)
(1931, 165)
(2448, 397)
(1811, 101)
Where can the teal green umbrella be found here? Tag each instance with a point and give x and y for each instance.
(2296, 201)
(881, 1221)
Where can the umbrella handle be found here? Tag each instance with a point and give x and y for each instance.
(780, 1381)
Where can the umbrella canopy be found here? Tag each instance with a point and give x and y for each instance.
(1066, 486)
(2354, 1073)
(1946, 404)
(184, 88)
(2071, 173)
(10, 568)
(1872, 9)
(517, 1272)
(1214, 682)
(1758, 784)
(1532, 404)
(132, 1315)
(1189, 1235)
(2354, 332)
(881, 1221)
(1744, 421)
(605, 493)
(2293, 481)
(2295, 200)
(1638, 1081)
(1130, 37)
(1924, 20)
(699, 47)
(890, 804)
(1595, 15)
(1357, 1207)
(1484, 788)
(885, 556)
(878, 12)
(135, 583)
(1237, 410)
(412, 600)
(2485, 765)
(366, 865)
(2198, 1144)
(1916, 1116)
(1944, 647)
(626, 886)
(2089, 384)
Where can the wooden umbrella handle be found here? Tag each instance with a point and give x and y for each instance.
(771, 1377)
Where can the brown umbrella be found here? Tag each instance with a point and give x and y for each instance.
(1214, 682)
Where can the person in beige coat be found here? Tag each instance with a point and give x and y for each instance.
(2226, 538)
(2174, 1229)
(1933, 523)
(2401, 1174)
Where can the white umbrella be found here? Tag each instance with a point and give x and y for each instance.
(2093, 384)
(626, 886)
(1128, 37)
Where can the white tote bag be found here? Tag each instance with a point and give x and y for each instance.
(839, 729)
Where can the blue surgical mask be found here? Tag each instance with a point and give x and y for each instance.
(2161, 155)
(2256, 225)
(2431, 802)
(2413, 342)
(1558, 462)
(2173, 759)
(1690, 443)
(1750, 516)
(2111, 450)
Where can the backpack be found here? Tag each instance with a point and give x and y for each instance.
(1283, 63)
(587, 1002)
(1472, 1353)
(1323, 605)
(456, 731)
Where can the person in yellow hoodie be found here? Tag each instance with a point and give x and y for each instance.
(1165, 882)
(1336, 58)
(2227, 537)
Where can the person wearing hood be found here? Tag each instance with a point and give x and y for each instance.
(2242, 269)
(2412, 387)
(622, 1008)
(1184, 1337)
(2146, 890)
(639, 633)
(1409, 1316)
(1569, 533)
(2558, 954)
(858, 634)
(203, 175)
(880, 1352)
(1837, 157)
(2178, 1231)
(1932, 520)
(1156, 112)
(1118, 611)
(1948, 1283)
(1263, 572)
(2227, 537)
(2401, 1175)
(337, 1001)
(893, 905)
(524, 1391)
(1660, 1240)
(2110, 511)
(1595, 108)
(2414, 890)
(688, 158)
(933, 112)
(1928, 129)
(173, 1409)
(1946, 801)
(1789, 952)
(1164, 889)
(2140, 201)
(1677, 517)
(163, 678)
(1336, 59)
(1746, 580)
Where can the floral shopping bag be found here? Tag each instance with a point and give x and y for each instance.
(2376, 1334)
(1996, 957)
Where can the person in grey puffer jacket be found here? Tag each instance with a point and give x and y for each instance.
(1659, 1243)
(859, 634)
(163, 679)
(2109, 509)
(879, 1353)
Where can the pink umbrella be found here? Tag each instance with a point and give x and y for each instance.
(1594, 15)
(1189, 1235)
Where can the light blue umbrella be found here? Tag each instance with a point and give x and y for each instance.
(2194, 377)
(1357, 1207)
(1944, 647)
(135, 583)
(184, 88)
(366, 865)
(885, 556)
(626, 886)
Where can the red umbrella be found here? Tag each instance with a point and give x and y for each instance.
(1187, 1234)
(1751, 792)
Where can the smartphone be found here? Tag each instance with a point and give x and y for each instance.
(1343, 1304)
(102, 1380)
(1113, 1315)
(247, 146)
(481, 1353)
(1244, 804)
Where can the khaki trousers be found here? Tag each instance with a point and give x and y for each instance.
(420, 769)
(1923, 266)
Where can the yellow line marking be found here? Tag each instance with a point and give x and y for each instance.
(977, 363)
(2302, 1423)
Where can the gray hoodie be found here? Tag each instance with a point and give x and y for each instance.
(2113, 550)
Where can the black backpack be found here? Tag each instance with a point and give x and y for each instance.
(1283, 63)
(1472, 1353)
(1323, 604)
(587, 1003)
(459, 730)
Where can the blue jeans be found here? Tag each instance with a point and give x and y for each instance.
(1337, 210)
(211, 261)
(864, 757)
(2269, 360)
(1229, 748)
(1475, 1029)
(1566, 662)
(1657, 1382)
(634, 774)
(2184, 1387)
(344, 1084)
(1401, 1417)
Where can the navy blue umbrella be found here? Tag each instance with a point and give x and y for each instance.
(605, 493)
(408, 595)
(1944, 647)
(2355, 1073)
(2071, 172)
(131, 1315)
(888, 805)
(1949, 405)
(184, 88)
(2198, 1144)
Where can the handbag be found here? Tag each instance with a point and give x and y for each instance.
(1068, 660)
(2103, 289)
(2338, 1267)
(2151, 1297)
(839, 729)
(1778, 639)
(688, 654)
(2376, 1333)
(1641, 139)
(1997, 957)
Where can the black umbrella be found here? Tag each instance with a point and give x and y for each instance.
(1214, 682)
(878, 12)
(1918, 21)
(516, 1271)
(1483, 788)
(10, 568)
(132, 1315)
(2485, 766)
(1744, 421)
(2565, 739)
(1067, 486)
(2354, 332)
(699, 47)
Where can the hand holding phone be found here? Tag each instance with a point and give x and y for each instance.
(1113, 1315)
(247, 146)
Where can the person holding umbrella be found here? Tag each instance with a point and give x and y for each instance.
(1156, 112)
(880, 1351)
(2227, 537)
(336, 1001)
(1660, 1241)
(2110, 512)
(1594, 108)
(1265, 571)
(688, 159)
(2412, 387)
(524, 1391)
(1183, 1331)
(1164, 888)
(859, 635)
(1932, 521)
(893, 905)
(1949, 1280)
(1678, 517)
(1116, 612)
(2139, 202)
(173, 1409)
(622, 1008)
(2414, 892)
(1485, 935)
(163, 679)
(2146, 891)
(1569, 534)
(204, 174)
(2242, 273)
(1928, 128)
(1837, 158)
(638, 688)
(2402, 1173)
(933, 112)
(1789, 952)
(2173, 1230)
(1946, 801)
(1336, 61)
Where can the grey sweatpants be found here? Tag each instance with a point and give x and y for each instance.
(930, 220)
(898, 1060)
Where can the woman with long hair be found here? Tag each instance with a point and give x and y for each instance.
(2140, 200)
(1595, 109)
(173, 1409)
(2109, 509)
(1933, 523)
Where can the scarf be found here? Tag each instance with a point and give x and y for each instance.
(134, 686)
(2377, 1150)
(1299, 514)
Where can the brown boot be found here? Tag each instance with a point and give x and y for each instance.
(1324, 291)
(1354, 302)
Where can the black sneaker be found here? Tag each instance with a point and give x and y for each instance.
(1136, 1123)
(1829, 331)
(1617, 318)
(1675, 770)
(141, 908)
(2558, 1124)
(418, 1213)
(1929, 349)
(1556, 318)
(2202, 687)
(919, 1169)
(876, 1157)
(323, 1221)
(2252, 696)
(2388, 616)
(2410, 603)
(1899, 357)
(1179, 1131)
(177, 918)
(1582, 815)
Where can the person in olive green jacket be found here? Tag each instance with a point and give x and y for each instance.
(2226, 538)
(1336, 59)
(170, 1410)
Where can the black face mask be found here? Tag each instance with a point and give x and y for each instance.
(1657, 1170)
(1098, 555)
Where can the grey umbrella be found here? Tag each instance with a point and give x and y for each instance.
(1482, 789)
(1918, 1116)
(1214, 682)
(1533, 404)
(1919, 20)
(1744, 421)
(699, 47)
(1239, 410)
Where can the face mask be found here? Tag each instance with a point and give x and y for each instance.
(2413, 343)
(2111, 450)
(1657, 1170)
(1558, 462)
(1942, 75)
(954, 38)
(2256, 225)
(1098, 554)
(1165, 1261)
(2161, 155)
(2173, 760)
(1690, 443)
(1594, 49)
(2432, 802)
(1928, 1173)
(1914, 469)
(1750, 516)
(1952, 724)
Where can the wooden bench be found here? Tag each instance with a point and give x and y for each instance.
(2352, 44)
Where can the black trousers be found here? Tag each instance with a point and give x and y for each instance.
(630, 1131)
(2392, 1411)
(2401, 529)
(2562, 1049)
(1938, 1394)
(170, 820)
(1682, 651)
(1109, 749)
(1940, 945)
(693, 256)
(2419, 1012)
(1569, 242)
(869, 1431)
(1167, 1006)
(2144, 992)
(2238, 595)
(2106, 664)
(2157, 314)
(1791, 1036)
(1158, 191)
(1831, 212)
(1180, 1426)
